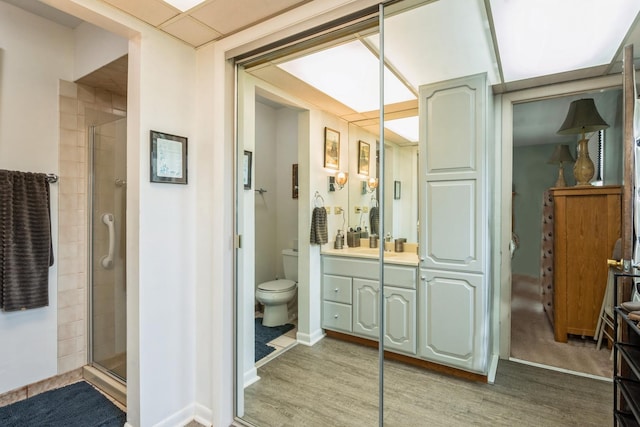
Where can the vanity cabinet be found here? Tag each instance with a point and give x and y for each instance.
(363, 304)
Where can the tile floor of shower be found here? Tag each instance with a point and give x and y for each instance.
(281, 343)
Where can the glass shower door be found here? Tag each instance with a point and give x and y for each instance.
(108, 253)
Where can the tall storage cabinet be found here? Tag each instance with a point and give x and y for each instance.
(586, 227)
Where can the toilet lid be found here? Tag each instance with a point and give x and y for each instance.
(277, 285)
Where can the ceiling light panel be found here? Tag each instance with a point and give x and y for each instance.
(184, 5)
(549, 36)
(349, 74)
(406, 127)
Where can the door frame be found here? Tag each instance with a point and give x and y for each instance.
(502, 299)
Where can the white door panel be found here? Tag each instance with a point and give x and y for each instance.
(452, 315)
(366, 317)
(452, 203)
(400, 319)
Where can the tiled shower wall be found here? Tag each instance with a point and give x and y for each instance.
(80, 106)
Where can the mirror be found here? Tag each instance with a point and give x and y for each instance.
(400, 186)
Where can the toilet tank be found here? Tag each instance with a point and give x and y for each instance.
(290, 264)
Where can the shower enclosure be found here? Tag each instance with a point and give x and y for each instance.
(107, 207)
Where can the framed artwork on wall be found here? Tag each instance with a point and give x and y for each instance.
(168, 158)
(331, 149)
(363, 158)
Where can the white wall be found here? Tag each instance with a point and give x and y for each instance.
(276, 211)
(95, 47)
(287, 155)
(34, 55)
(265, 164)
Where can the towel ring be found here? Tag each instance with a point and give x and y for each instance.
(318, 197)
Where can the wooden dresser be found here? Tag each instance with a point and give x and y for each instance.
(586, 227)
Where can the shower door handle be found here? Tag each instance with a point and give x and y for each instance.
(108, 220)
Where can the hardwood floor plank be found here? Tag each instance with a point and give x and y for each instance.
(335, 383)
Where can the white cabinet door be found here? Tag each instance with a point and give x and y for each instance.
(452, 319)
(366, 312)
(400, 319)
(454, 223)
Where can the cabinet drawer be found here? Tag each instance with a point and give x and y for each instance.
(402, 277)
(394, 275)
(336, 289)
(336, 316)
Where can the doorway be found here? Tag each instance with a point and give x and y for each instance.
(531, 174)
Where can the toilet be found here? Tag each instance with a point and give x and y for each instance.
(276, 294)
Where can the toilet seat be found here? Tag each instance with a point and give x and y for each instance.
(277, 285)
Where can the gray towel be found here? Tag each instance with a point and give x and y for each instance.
(374, 220)
(319, 235)
(26, 250)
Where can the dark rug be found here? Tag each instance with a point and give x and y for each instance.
(264, 334)
(77, 405)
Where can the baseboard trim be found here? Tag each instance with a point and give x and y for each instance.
(310, 339)
(493, 369)
(455, 372)
(565, 371)
(251, 376)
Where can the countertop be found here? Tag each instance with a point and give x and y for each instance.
(390, 257)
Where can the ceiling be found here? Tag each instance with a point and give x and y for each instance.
(440, 40)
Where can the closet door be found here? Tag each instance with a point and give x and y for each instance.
(453, 313)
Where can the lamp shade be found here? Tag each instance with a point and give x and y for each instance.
(582, 117)
(561, 155)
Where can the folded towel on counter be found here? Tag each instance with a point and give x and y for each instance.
(374, 220)
(26, 250)
(319, 234)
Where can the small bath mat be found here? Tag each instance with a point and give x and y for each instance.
(76, 405)
(264, 334)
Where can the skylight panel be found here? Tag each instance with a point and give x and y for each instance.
(349, 74)
(537, 38)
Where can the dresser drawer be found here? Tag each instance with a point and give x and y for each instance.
(336, 316)
(336, 289)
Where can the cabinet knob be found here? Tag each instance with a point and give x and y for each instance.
(423, 277)
(335, 290)
(335, 316)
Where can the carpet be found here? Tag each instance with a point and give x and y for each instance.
(76, 405)
(264, 334)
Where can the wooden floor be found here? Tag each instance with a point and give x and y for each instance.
(335, 383)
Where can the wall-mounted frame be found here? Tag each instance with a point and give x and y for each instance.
(363, 158)
(168, 158)
(246, 169)
(397, 187)
(331, 149)
(294, 181)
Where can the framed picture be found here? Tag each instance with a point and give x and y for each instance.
(168, 158)
(363, 158)
(294, 181)
(396, 190)
(331, 149)
(246, 170)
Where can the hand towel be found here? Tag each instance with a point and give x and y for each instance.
(319, 235)
(26, 250)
